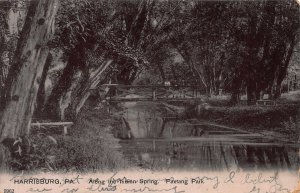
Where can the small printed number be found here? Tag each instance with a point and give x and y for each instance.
(9, 190)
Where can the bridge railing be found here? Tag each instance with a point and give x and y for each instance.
(153, 92)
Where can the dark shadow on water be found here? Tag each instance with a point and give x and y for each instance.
(208, 156)
(267, 157)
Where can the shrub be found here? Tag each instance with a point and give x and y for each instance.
(29, 153)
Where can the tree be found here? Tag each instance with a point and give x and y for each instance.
(13, 16)
(102, 28)
(24, 76)
(259, 39)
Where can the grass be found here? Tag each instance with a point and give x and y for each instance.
(291, 97)
(280, 118)
(90, 146)
(219, 101)
(251, 116)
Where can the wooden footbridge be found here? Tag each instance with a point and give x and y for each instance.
(135, 93)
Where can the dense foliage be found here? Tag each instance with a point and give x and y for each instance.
(218, 45)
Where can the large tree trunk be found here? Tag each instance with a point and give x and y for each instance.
(13, 24)
(24, 78)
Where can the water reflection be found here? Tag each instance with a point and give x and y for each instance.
(208, 155)
(151, 140)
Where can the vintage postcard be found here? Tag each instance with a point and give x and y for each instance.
(165, 96)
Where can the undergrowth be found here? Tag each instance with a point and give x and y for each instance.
(89, 147)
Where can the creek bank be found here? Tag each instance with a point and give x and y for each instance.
(280, 119)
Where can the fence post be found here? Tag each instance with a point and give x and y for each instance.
(65, 130)
(154, 94)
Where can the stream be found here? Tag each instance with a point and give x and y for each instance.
(149, 141)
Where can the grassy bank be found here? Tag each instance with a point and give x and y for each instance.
(252, 116)
(89, 147)
(280, 118)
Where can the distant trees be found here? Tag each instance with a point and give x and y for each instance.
(238, 46)
(269, 43)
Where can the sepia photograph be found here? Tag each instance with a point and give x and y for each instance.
(180, 96)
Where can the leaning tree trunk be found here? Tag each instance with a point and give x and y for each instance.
(74, 87)
(41, 95)
(24, 77)
(60, 97)
(91, 83)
